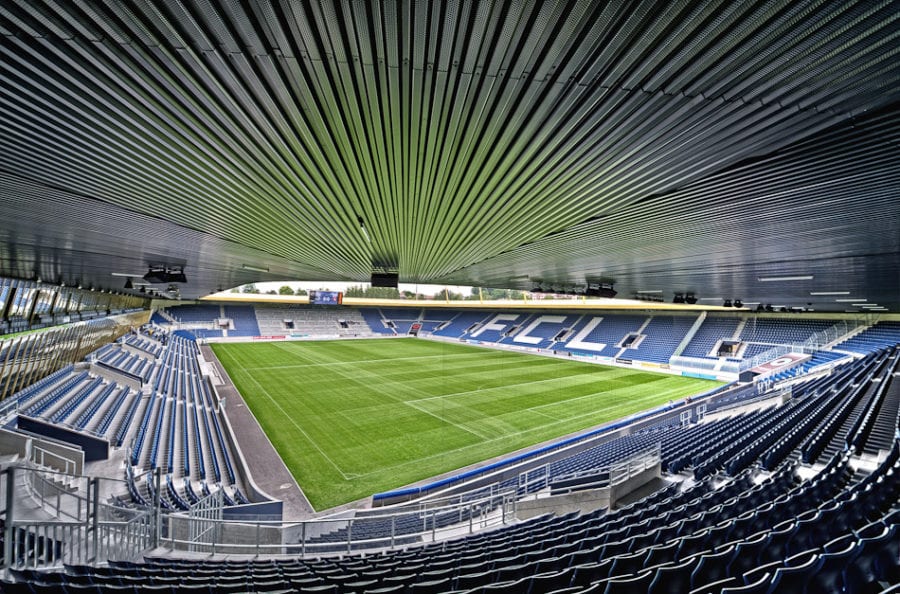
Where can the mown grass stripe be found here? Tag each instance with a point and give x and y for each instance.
(351, 418)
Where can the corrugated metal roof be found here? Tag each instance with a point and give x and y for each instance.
(679, 146)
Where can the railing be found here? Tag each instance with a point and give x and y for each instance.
(204, 519)
(769, 355)
(8, 407)
(711, 365)
(821, 339)
(53, 518)
(71, 525)
(373, 531)
(594, 478)
(45, 458)
(814, 343)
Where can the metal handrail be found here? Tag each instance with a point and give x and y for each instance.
(609, 475)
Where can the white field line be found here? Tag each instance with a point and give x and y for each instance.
(561, 363)
(335, 363)
(300, 429)
(442, 453)
(493, 439)
(543, 414)
(549, 404)
(474, 445)
(503, 387)
(354, 377)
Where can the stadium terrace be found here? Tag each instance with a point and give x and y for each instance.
(594, 297)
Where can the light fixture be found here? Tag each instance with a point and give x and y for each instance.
(871, 306)
(604, 290)
(156, 274)
(775, 279)
(710, 299)
(738, 303)
(161, 274)
(176, 275)
(128, 283)
(362, 227)
(254, 268)
(726, 303)
(690, 298)
(649, 291)
(654, 297)
(861, 304)
(821, 293)
(852, 300)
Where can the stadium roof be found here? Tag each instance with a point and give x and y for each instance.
(662, 146)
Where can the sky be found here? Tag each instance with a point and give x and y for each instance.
(342, 286)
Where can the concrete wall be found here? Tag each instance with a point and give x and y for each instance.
(12, 442)
(239, 538)
(634, 483)
(585, 500)
(579, 501)
(83, 447)
(114, 375)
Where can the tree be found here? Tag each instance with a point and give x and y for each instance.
(301, 292)
(285, 290)
(271, 292)
(382, 293)
(250, 288)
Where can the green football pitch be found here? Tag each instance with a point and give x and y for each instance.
(355, 417)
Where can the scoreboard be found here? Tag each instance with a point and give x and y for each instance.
(326, 297)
